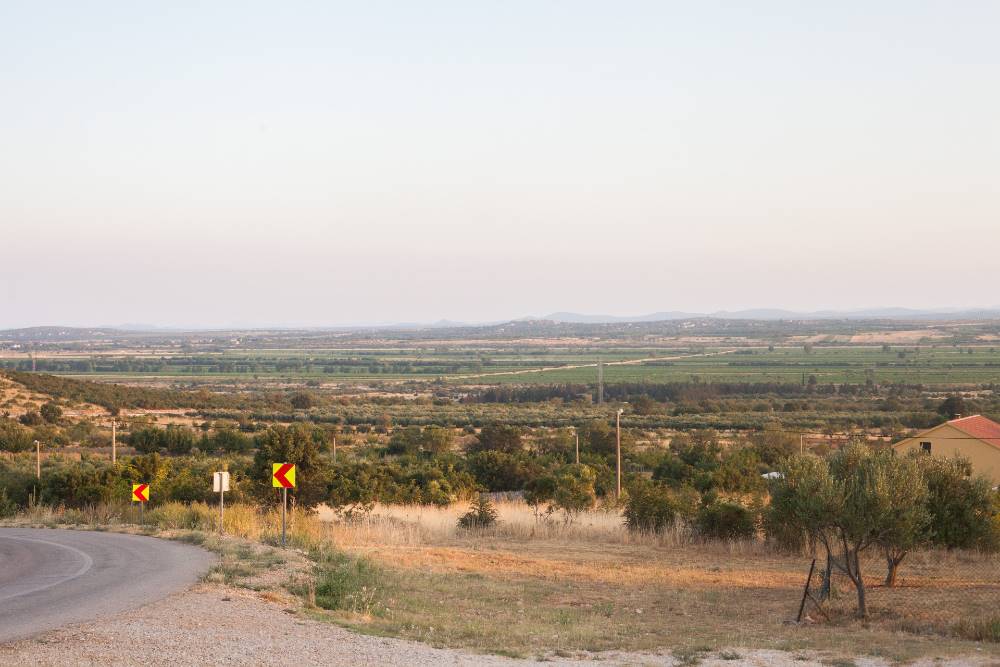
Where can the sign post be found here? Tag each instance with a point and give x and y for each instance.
(140, 494)
(220, 484)
(283, 477)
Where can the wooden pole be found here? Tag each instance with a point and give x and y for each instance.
(618, 455)
(805, 592)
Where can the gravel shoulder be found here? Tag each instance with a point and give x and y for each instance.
(214, 624)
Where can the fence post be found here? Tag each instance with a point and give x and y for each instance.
(805, 591)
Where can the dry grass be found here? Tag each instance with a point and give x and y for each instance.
(530, 587)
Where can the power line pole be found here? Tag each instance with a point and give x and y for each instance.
(600, 381)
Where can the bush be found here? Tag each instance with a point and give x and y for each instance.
(51, 412)
(960, 506)
(14, 437)
(500, 471)
(146, 440)
(482, 514)
(8, 507)
(302, 401)
(652, 507)
(726, 521)
(499, 438)
(347, 583)
(30, 419)
(574, 491)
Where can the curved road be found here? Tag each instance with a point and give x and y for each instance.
(50, 578)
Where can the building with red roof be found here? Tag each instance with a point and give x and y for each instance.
(975, 438)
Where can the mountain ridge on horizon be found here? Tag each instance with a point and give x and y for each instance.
(567, 317)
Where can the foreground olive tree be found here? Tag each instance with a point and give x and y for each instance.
(858, 499)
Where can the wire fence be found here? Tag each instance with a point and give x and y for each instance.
(939, 592)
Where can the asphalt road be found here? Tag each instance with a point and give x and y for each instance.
(50, 578)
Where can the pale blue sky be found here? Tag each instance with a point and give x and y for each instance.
(320, 163)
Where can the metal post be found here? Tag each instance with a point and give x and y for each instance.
(577, 434)
(114, 442)
(802, 443)
(38, 460)
(222, 508)
(334, 447)
(618, 455)
(142, 512)
(284, 505)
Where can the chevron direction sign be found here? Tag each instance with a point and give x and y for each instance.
(140, 493)
(283, 475)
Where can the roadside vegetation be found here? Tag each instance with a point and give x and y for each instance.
(486, 516)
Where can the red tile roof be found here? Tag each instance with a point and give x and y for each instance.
(979, 427)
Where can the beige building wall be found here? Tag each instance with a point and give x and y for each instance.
(947, 441)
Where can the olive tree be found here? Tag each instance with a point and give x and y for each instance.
(861, 498)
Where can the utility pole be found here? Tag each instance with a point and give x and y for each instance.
(600, 381)
(618, 454)
(38, 460)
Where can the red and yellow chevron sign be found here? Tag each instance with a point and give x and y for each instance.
(283, 475)
(140, 493)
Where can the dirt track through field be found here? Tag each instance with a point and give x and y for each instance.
(628, 362)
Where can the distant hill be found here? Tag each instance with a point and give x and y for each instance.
(57, 333)
(778, 314)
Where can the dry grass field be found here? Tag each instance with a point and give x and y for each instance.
(546, 588)
(526, 587)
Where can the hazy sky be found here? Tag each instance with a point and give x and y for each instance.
(315, 163)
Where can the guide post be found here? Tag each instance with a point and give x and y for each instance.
(283, 477)
(220, 484)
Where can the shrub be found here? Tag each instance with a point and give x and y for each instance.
(51, 412)
(652, 507)
(146, 440)
(726, 521)
(8, 507)
(14, 437)
(540, 490)
(302, 401)
(30, 419)
(960, 506)
(347, 583)
(482, 514)
(575, 489)
(499, 438)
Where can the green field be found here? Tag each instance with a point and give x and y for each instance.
(548, 365)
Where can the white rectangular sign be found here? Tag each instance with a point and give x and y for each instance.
(220, 481)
